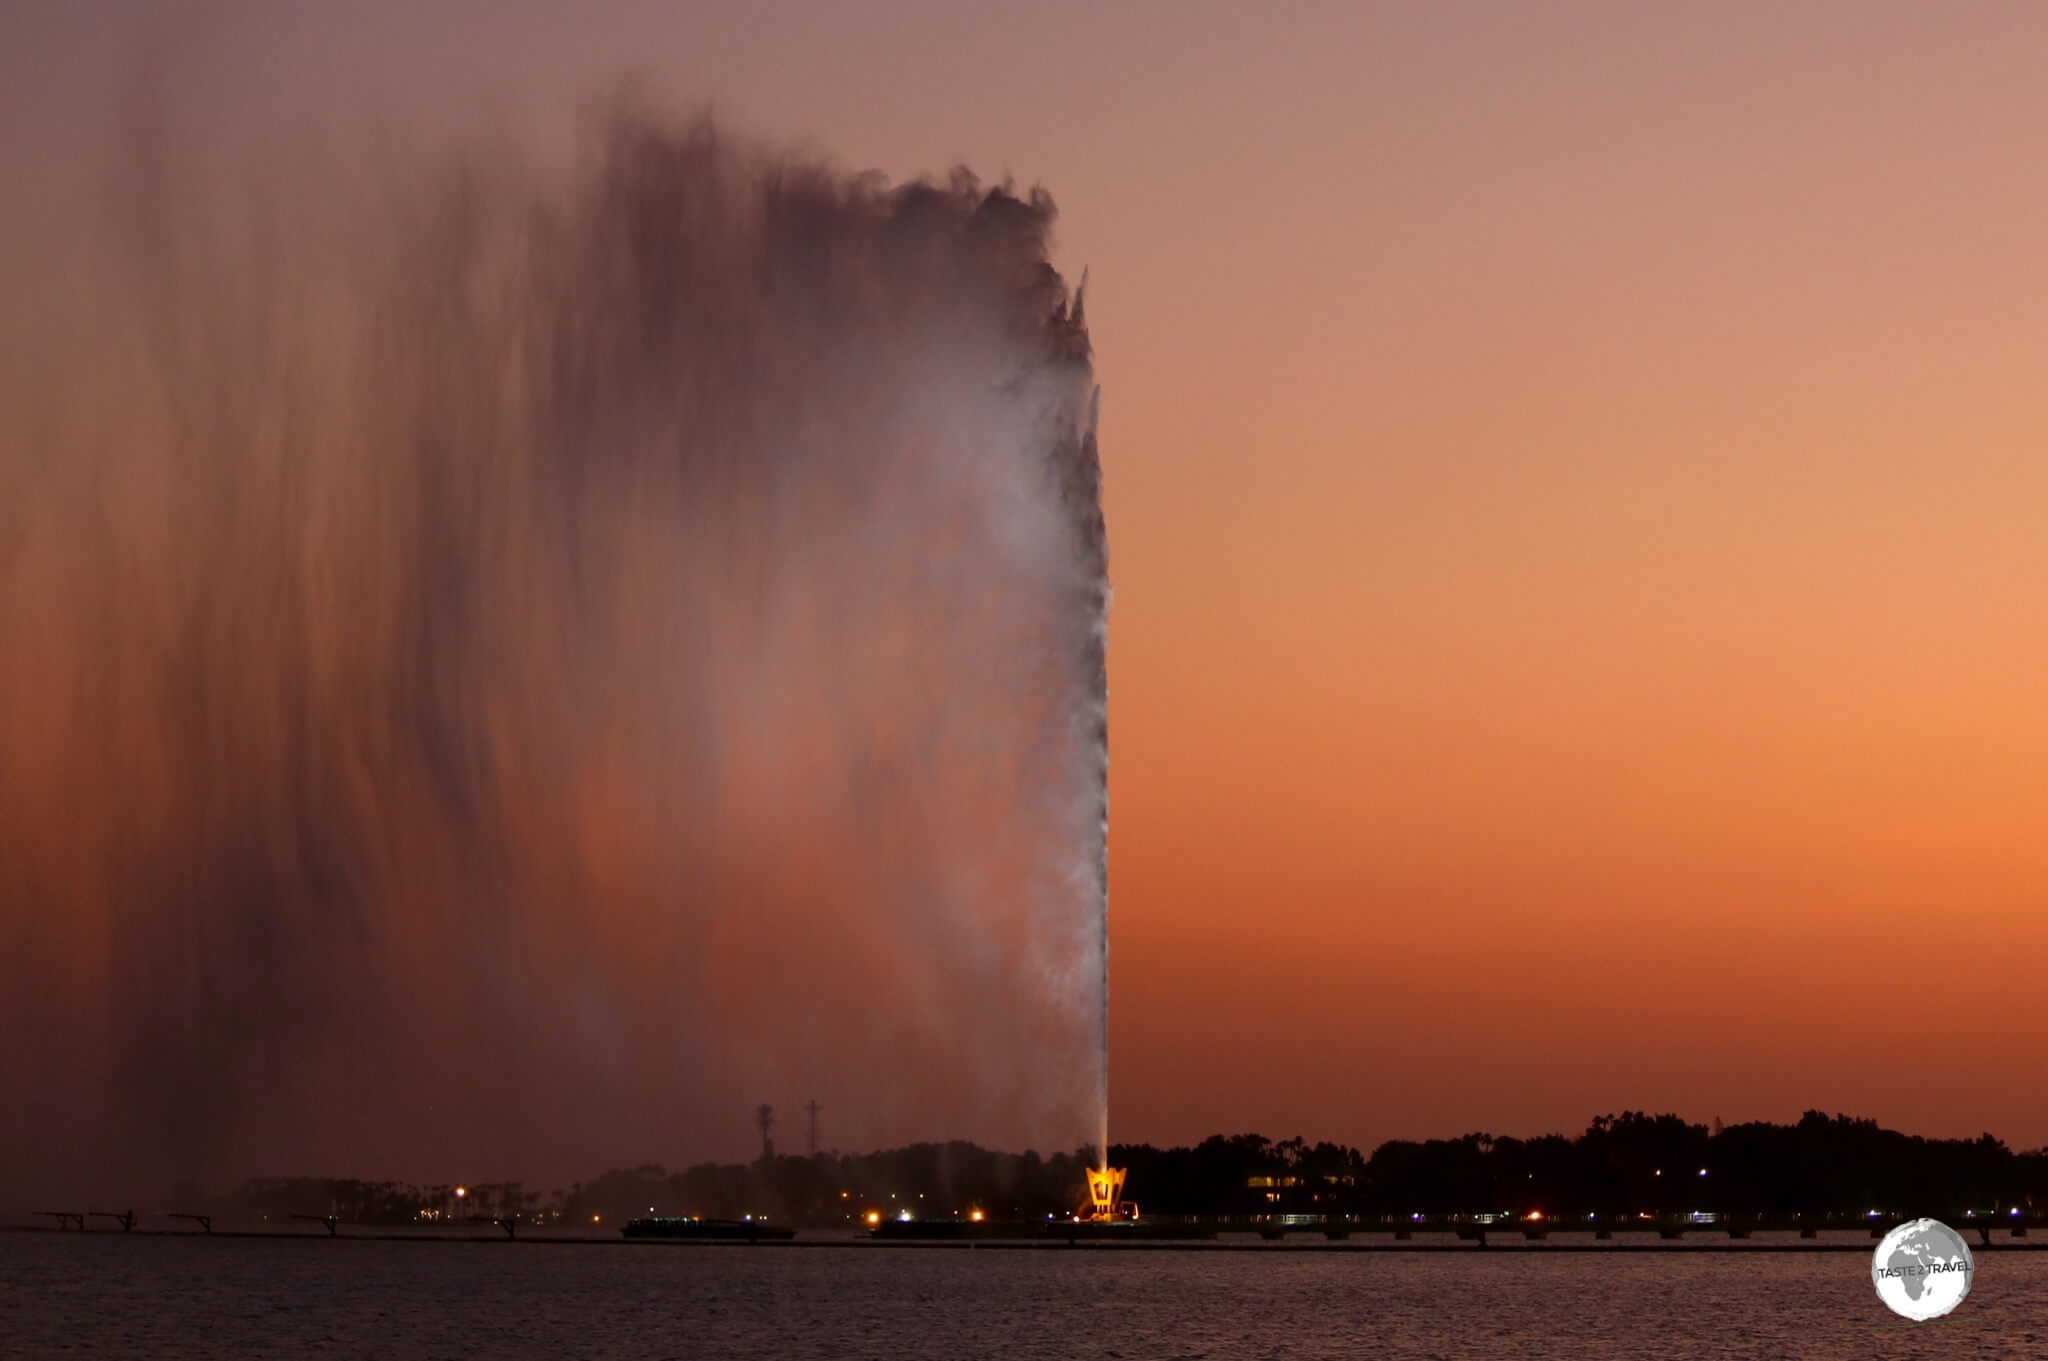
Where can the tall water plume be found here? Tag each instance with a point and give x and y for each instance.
(509, 664)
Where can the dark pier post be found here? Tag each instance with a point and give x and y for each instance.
(126, 1218)
(329, 1220)
(203, 1221)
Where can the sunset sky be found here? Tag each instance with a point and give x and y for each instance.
(1576, 496)
(1576, 492)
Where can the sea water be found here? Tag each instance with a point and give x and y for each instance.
(108, 1294)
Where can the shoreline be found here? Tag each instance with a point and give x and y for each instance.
(1514, 1247)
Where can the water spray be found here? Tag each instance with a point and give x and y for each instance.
(628, 628)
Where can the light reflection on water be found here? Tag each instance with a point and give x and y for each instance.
(109, 1295)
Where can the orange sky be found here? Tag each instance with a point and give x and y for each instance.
(1576, 493)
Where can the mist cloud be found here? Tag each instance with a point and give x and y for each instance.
(507, 665)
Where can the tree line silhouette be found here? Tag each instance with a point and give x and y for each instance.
(1629, 1163)
(1622, 1164)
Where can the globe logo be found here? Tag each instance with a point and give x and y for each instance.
(1922, 1269)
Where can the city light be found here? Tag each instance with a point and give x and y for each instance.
(874, 1218)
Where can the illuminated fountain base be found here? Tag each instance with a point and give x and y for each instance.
(1103, 1216)
(1104, 1186)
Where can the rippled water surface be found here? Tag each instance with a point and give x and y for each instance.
(113, 1295)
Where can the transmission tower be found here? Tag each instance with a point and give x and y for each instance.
(811, 1109)
(765, 1118)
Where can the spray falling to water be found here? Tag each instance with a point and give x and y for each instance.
(507, 667)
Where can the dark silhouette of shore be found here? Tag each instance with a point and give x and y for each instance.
(1630, 1169)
